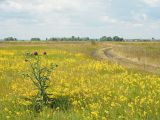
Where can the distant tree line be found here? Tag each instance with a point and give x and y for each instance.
(35, 39)
(115, 38)
(73, 38)
(10, 39)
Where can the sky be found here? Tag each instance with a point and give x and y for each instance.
(25, 19)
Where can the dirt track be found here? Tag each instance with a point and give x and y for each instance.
(107, 53)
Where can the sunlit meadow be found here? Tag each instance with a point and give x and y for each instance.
(83, 87)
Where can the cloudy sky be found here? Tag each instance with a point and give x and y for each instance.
(58, 18)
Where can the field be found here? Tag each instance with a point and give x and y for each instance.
(144, 56)
(143, 52)
(83, 87)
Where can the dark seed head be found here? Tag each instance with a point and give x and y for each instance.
(44, 53)
(35, 53)
(26, 60)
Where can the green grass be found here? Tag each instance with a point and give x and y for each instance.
(148, 52)
(83, 88)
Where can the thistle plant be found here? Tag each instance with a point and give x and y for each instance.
(39, 74)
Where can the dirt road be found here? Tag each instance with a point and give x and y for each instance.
(108, 54)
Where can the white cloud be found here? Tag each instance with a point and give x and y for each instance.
(108, 19)
(152, 3)
(26, 18)
(140, 17)
(137, 24)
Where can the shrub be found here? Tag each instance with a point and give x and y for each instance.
(40, 76)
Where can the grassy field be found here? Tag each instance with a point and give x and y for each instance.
(83, 88)
(144, 56)
(148, 52)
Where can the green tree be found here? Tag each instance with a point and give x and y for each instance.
(116, 38)
(104, 38)
(35, 39)
(52, 39)
(109, 39)
(10, 39)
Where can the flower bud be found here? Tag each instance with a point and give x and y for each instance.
(44, 53)
(35, 53)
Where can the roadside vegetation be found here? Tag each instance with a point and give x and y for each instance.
(148, 52)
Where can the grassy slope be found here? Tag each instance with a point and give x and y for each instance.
(148, 52)
(143, 56)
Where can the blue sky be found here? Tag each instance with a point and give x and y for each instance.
(25, 19)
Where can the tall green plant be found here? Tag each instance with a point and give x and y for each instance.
(39, 75)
